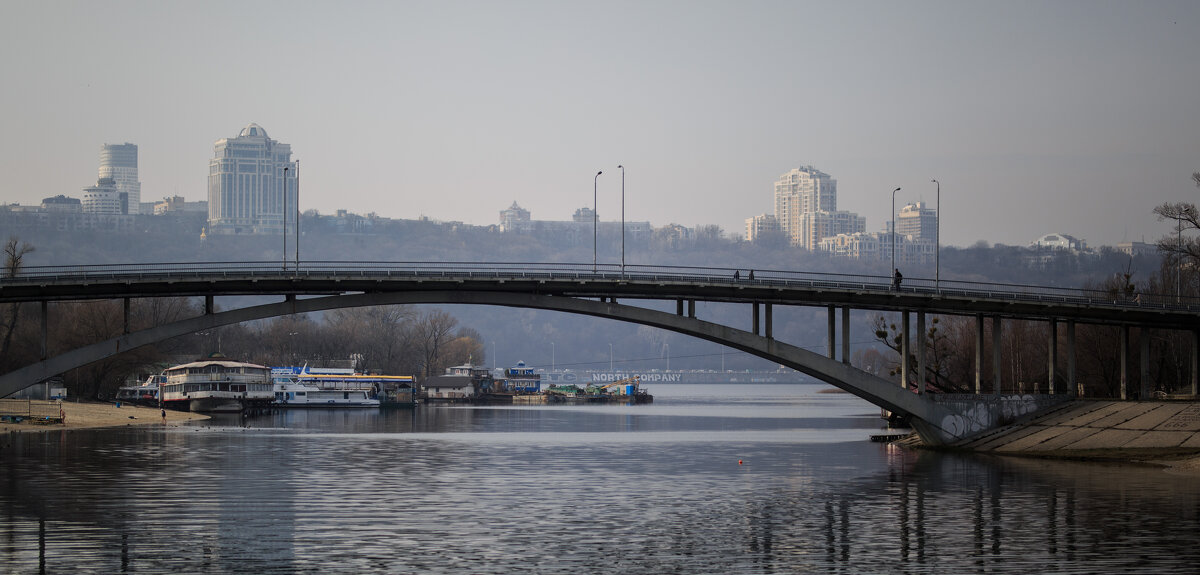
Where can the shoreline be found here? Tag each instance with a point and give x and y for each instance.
(99, 415)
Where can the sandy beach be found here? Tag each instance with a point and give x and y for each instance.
(89, 415)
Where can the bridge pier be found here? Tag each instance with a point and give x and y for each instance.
(1146, 387)
(767, 317)
(920, 352)
(978, 354)
(125, 327)
(904, 329)
(45, 330)
(754, 320)
(1123, 351)
(997, 348)
(1052, 360)
(829, 327)
(208, 305)
(1072, 388)
(845, 335)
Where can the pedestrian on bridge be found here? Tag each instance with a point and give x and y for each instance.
(896, 278)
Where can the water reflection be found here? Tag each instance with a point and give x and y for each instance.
(452, 490)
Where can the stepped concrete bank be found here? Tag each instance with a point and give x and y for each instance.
(1144, 431)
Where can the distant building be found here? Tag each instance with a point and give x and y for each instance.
(877, 246)
(120, 162)
(584, 216)
(105, 198)
(178, 204)
(514, 219)
(246, 180)
(1137, 248)
(917, 220)
(62, 204)
(1059, 242)
(806, 208)
(761, 224)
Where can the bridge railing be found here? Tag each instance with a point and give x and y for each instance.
(599, 272)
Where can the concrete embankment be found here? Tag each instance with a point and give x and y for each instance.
(1162, 432)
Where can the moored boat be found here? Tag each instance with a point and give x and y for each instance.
(331, 387)
(144, 394)
(217, 384)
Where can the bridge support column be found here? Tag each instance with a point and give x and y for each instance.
(125, 326)
(1124, 352)
(996, 349)
(846, 335)
(904, 329)
(1195, 360)
(1072, 388)
(679, 307)
(1052, 360)
(754, 321)
(45, 330)
(978, 354)
(692, 308)
(920, 352)
(1144, 360)
(208, 305)
(770, 334)
(830, 324)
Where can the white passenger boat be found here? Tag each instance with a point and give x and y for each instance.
(217, 385)
(328, 387)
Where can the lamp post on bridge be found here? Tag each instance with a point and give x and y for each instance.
(937, 238)
(894, 234)
(622, 167)
(595, 220)
(284, 214)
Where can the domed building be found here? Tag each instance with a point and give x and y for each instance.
(247, 180)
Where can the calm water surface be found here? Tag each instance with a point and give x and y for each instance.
(581, 489)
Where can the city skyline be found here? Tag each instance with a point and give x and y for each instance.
(1066, 117)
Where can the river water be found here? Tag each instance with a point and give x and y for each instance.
(707, 479)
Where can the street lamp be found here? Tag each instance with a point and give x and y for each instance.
(551, 356)
(937, 238)
(622, 167)
(610, 362)
(595, 220)
(894, 234)
(283, 213)
(297, 216)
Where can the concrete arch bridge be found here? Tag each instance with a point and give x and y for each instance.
(611, 291)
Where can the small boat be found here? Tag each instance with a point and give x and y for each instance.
(330, 387)
(144, 394)
(217, 384)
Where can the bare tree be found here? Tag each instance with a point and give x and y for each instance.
(14, 258)
(1187, 218)
(433, 331)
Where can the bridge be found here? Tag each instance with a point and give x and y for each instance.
(611, 291)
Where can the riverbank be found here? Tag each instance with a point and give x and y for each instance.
(90, 415)
(1160, 433)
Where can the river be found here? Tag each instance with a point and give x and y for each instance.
(707, 479)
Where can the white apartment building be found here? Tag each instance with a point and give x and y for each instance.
(806, 208)
(120, 163)
(917, 220)
(759, 225)
(246, 181)
(105, 198)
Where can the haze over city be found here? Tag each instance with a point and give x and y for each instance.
(1070, 117)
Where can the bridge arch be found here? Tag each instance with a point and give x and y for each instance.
(935, 423)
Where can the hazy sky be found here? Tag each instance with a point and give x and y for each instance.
(1037, 117)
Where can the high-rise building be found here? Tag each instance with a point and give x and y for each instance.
(246, 180)
(761, 226)
(917, 220)
(120, 163)
(806, 208)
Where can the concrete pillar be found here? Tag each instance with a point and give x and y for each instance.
(1123, 351)
(754, 322)
(904, 320)
(920, 352)
(45, 330)
(1144, 360)
(1072, 388)
(208, 305)
(692, 308)
(679, 307)
(846, 335)
(830, 324)
(767, 316)
(125, 325)
(997, 348)
(1052, 361)
(1195, 360)
(978, 354)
